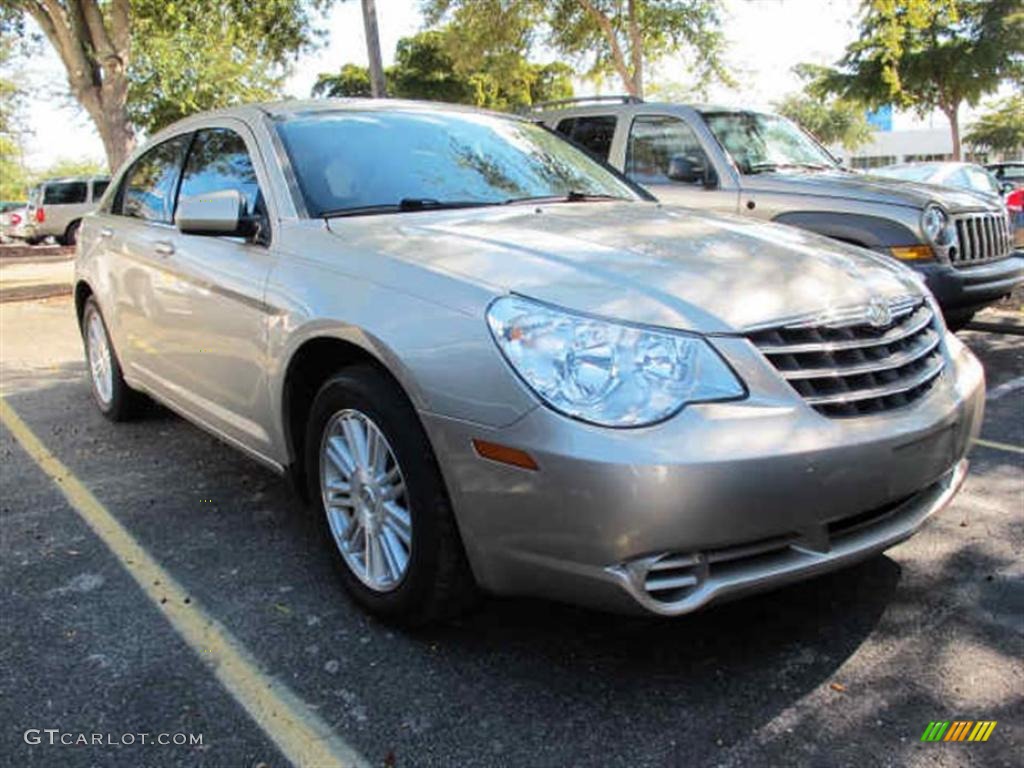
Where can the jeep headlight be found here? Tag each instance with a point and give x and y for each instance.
(936, 225)
(607, 373)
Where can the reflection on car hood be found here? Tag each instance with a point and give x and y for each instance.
(867, 188)
(644, 263)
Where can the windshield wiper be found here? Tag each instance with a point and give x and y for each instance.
(405, 205)
(763, 167)
(572, 196)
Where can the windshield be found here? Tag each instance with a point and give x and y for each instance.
(378, 162)
(759, 142)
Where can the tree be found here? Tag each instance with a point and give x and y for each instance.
(609, 36)
(833, 121)
(426, 68)
(139, 63)
(13, 176)
(1001, 129)
(952, 53)
(352, 81)
(71, 166)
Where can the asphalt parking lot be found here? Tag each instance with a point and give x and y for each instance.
(847, 669)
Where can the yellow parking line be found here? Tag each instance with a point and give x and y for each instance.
(303, 738)
(999, 446)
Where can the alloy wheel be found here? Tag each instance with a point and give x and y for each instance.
(365, 500)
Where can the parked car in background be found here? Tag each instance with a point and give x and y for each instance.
(1009, 172)
(492, 362)
(12, 220)
(56, 208)
(764, 166)
(968, 176)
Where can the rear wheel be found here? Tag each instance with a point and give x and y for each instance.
(380, 501)
(115, 399)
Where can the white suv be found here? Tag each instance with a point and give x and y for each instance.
(56, 208)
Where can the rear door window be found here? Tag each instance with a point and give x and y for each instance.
(592, 132)
(65, 193)
(147, 191)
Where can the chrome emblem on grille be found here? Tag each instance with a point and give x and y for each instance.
(879, 314)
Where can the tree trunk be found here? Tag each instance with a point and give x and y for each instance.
(378, 87)
(95, 52)
(953, 115)
(636, 51)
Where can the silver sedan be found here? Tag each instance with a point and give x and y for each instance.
(492, 364)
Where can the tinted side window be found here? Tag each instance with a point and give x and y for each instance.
(565, 127)
(148, 189)
(594, 134)
(218, 160)
(65, 193)
(653, 142)
(98, 188)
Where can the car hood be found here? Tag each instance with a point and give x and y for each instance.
(845, 185)
(641, 262)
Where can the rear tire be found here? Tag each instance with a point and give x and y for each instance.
(426, 577)
(115, 399)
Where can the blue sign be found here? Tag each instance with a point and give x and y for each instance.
(881, 118)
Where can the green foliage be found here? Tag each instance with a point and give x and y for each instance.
(71, 166)
(201, 55)
(605, 37)
(964, 50)
(425, 70)
(1001, 129)
(427, 67)
(352, 81)
(951, 53)
(13, 176)
(832, 121)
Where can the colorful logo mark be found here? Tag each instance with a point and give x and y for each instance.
(958, 730)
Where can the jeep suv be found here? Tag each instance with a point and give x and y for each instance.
(763, 165)
(56, 208)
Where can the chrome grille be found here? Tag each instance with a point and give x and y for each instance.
(981, 237)
(849, 367)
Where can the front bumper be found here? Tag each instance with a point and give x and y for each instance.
(726, 497)
(966, 289)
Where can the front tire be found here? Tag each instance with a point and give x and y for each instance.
(115, 399)
(380, 501)
(957, 321)
(71, 233)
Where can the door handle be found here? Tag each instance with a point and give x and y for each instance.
(106, 232)
(163, 248)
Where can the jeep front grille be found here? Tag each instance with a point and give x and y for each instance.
(981, 237)
(849, 367)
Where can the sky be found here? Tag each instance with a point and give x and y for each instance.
(766, 39)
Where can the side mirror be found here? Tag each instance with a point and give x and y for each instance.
(692, 169)
(686, 169)
(1006, 187)
(219, 213)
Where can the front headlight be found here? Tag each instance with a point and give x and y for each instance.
(936, 225)
(607, 373)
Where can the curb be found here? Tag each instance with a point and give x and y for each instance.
(34, 292)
